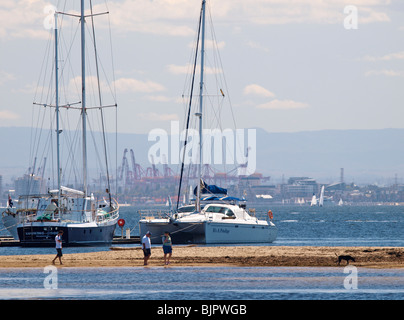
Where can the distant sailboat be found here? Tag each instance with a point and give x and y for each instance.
(313, 200)
(321, 201)
(340, 202)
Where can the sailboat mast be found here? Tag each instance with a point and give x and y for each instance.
(198, 196)
(57, 106)
(83, 97)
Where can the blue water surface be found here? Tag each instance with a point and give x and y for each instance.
(202, 283)
(297, 226)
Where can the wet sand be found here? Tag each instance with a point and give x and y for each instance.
(246, 256)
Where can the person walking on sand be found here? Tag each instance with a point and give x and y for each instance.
(167, 247)
(146, 245)
(58, 240)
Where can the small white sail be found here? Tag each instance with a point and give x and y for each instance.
(313, 201)
(321, 201)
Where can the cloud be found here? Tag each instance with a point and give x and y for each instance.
(133, 85)
(159, 98)
(153, 116)
(210, 44)
(8, 115)
(25, 18)
(255, 89)
(387, 57)
(256, 45)
(187, 69)
(283, 105)
(121, 85)
(259, 91)
(164, 17)
(384, 72)
(6, 77)
(173, 17)
(307, 11)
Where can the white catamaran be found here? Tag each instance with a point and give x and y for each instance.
(84, 219)
(214, 217)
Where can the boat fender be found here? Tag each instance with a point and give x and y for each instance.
(270, 215)
(121, 222)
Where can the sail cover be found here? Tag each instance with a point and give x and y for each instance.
(212, 189)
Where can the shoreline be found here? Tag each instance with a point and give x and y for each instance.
(241, 256)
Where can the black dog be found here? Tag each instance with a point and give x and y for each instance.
(346, 258)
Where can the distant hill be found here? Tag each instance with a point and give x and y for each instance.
(320, 154)
(364, 154)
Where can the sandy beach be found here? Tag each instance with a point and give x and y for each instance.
(247, 256)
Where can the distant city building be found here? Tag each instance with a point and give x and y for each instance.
(29, 184)
(300, 187)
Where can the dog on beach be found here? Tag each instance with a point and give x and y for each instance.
(347, 258)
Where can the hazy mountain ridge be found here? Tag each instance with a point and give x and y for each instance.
(310, 153)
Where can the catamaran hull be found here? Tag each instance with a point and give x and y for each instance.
(42, 234)
(239, 233)
(209, 232)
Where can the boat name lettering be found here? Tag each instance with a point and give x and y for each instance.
(221, 230)
(36, 233)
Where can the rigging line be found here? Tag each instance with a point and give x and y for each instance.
(67, 64)
(223, 78)
(42, 72)
(189, 110)
(97, 154)
(69, 142)
(111, 52)
(115, 98)
(223, 73)
(101, 110)
(99, 65)
(190, 64)
(71, 155)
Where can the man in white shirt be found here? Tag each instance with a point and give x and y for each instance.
(146, 245)
(58, 240)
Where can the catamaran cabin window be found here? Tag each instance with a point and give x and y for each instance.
(213, 209)
(228, 212)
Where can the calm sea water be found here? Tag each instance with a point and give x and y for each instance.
(297, 226)
(201, 283)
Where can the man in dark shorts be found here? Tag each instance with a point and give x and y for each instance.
(146, 245)
(58, 240)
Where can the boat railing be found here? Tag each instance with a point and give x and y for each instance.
(104, 215)
(154, 214)
(27, 217)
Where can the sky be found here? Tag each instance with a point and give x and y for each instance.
(289, 65)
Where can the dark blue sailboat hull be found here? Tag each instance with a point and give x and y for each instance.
(43, 235)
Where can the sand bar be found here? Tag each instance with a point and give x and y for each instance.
(247, 256)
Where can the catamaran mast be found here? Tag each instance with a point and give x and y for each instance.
(83, 97)
(198, 195)
(58, 131)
